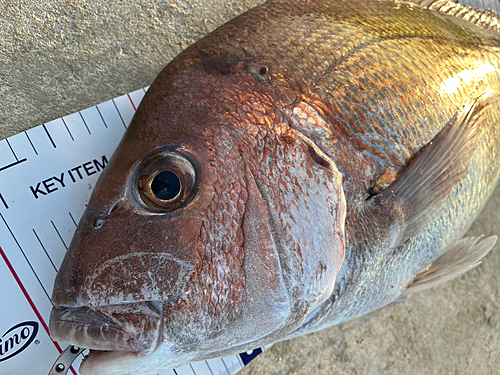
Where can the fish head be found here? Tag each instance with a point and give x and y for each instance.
(198, 240)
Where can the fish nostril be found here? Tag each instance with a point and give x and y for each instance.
(116, 207)
(98, 224)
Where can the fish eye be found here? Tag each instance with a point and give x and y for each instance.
(164, 181)
(166, 185)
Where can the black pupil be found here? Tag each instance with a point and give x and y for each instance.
(166, 185)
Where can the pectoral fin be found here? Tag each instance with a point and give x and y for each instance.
(462, 256)
(416, 195)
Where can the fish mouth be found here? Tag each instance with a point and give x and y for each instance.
(131, 327)
(108, 363)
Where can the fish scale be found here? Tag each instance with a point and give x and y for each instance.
(226, 244)
(467, 196)
(294, 184)
(354, 129)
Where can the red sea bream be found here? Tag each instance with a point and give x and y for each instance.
(302, 165)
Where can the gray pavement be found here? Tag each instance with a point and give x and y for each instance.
(57, 57)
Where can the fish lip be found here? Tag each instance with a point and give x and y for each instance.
(129, 327)
(110, 363)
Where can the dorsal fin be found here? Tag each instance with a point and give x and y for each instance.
(485, 18)
(461, 257)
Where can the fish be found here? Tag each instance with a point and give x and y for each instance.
(303, 165)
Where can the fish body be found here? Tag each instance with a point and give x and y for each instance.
(304, 164)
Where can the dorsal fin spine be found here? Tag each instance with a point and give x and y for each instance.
(485, 18)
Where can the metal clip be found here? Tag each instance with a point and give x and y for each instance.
(64, 361)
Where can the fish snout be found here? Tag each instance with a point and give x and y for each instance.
(122, 253)
(128, 278)
(132, 327)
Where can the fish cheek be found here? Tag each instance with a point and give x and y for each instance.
(216, 291)
(266, 292)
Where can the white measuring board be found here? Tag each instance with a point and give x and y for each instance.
(46, 177)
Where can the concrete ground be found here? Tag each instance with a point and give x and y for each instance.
(60, 56)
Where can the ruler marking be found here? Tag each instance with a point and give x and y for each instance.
(224, 363)
(102, 118)
(84, 122)
(131, 102)
(175, 372)
(25, 257)
(31, 143)
(119, 114)
(27, 296)
(66, 126)
(228, 367)
(11, 149)
(13, 164)
(240, 361)
(209, 369)
(30, 301)
(3, 201)
(48, 135)
(46, 253)
(144, 89)
(72, 218)
(59, 234)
